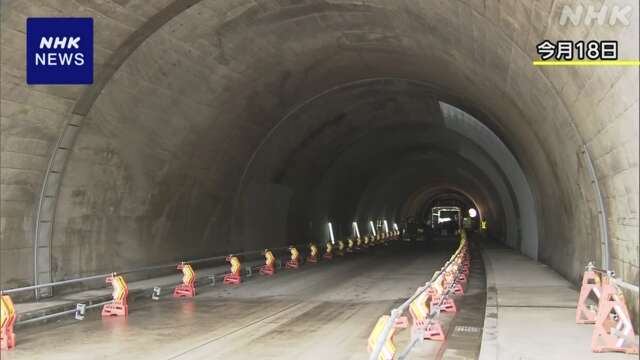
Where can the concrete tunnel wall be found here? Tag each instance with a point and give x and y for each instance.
(160, 166)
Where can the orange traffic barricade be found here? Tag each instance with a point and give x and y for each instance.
(341, 248)
(313, 253)
(350, 245)
(269, 267)
(7, 320)
(119, 306)
(235, 275)
(188, 286)
(294, 261)
(328, 251)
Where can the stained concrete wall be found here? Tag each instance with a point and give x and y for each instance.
(187, 90)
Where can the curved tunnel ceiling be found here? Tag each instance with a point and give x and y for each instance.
(213, 124)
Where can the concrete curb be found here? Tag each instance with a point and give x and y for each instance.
(489, 345)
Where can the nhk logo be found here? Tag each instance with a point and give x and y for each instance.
(59, 50)
(587, 15)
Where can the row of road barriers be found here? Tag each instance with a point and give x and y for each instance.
(424, 308)
(613, 330)
(118, 305)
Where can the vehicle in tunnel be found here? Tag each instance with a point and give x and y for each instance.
(446, 220)
(194, 130)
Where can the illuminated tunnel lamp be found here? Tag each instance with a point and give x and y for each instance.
(356, 231)
(395, 226)
(386, 226)
(473, 213)
(373, 228)
(333, 240)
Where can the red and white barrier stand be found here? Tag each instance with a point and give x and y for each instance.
(7, 320)
(234, 277)
(119, 306)
(447, 305)
(269, 267)
(294, 261)
(458, 289)
(613, 331)
(188, 286)
(586, 313)
(328, 252)
(313, 254)
(464, 265)
(419, 313)
(427, 305)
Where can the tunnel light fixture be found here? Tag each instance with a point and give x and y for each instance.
(473, 212)
(333, 240)
(386, 226)
(395, 226)
(373, 228)
(356, 231)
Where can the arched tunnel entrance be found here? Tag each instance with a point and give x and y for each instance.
(216, 127)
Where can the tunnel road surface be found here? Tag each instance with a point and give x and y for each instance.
(323, 311)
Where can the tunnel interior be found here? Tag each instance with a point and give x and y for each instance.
(223, 126)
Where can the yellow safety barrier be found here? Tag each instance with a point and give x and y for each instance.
(389, 348)
(119, 307)
(313, 253)
(424, 306)
(188, 286)
(235, 275)
(350, 245)
(341, 247)
(419, 308)
(7, 320)
(235, 265)
(294, 261)
(269, 267)
(371, 240)
(328, 252)
(269, 258)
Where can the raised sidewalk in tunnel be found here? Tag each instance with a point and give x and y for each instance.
(530, 312)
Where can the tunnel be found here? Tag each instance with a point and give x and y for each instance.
(217, 127)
